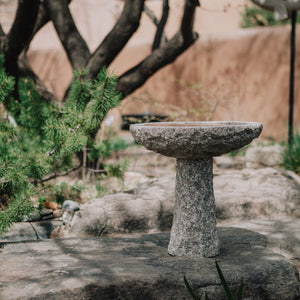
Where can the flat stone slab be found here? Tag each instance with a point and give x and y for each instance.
(28, 231)
(283, 236)
(138, 267)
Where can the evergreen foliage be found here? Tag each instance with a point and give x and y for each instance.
(291, 154)
(254, 16)
(39, 140)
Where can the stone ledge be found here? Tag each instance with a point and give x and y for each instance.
(139, 267)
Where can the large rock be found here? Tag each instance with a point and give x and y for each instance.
(240, 195)
(70, 205)
(148, 208)
(138, 267)
(283, 236)
(261, 157)
(261, 193)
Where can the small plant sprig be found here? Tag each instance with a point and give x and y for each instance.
(254, 16)
(224, 284)
(291, 154)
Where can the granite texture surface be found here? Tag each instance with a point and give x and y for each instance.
(136, 267)
(195, 139)
(194, 223)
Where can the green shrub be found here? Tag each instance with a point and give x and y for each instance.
(255, 16)
(291, 154)
(59, 192)
(40, 141)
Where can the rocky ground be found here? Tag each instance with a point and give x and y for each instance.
(252, 193)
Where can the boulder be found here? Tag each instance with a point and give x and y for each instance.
(283, 236)
(145, 209)
(266, 156)
(67, 217)
(262, 193)
(229, 162)
(70, 205)
(139, 267)
(239, 194)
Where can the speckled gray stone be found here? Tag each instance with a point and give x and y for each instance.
(136, 267)
(194, 144)
(195, 139)
(194, 230)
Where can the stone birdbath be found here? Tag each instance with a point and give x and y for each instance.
(194, 144)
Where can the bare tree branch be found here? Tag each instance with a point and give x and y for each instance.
(187, 22)
(31, 16)
(73, 43)
(1, 30)
(26, 71)
(155, 21)
(167, 53)
(151, 15)
(41, 21)
(118, 37)
(55, 175)
(3, 40)
(161, 26)
(20, 33)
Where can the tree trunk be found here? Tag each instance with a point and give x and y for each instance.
(32, 15)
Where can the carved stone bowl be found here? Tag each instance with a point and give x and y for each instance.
(194, 140)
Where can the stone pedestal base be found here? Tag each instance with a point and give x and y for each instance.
(194, 231)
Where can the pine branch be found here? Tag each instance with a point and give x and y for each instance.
(26, 70)
(55, 175)
(50, 153)
(46, 138)
(95, 170)
(5, 181)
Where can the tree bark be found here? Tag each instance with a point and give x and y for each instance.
(155, 21)
(73, 43)
(31, 16)
(161, 25)
(118, 37)
(41, 21)
(1, 31)
(20, 34)
(167, 53)
(26, 71)
(3, 41)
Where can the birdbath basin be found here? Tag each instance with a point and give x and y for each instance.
(194, 144)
